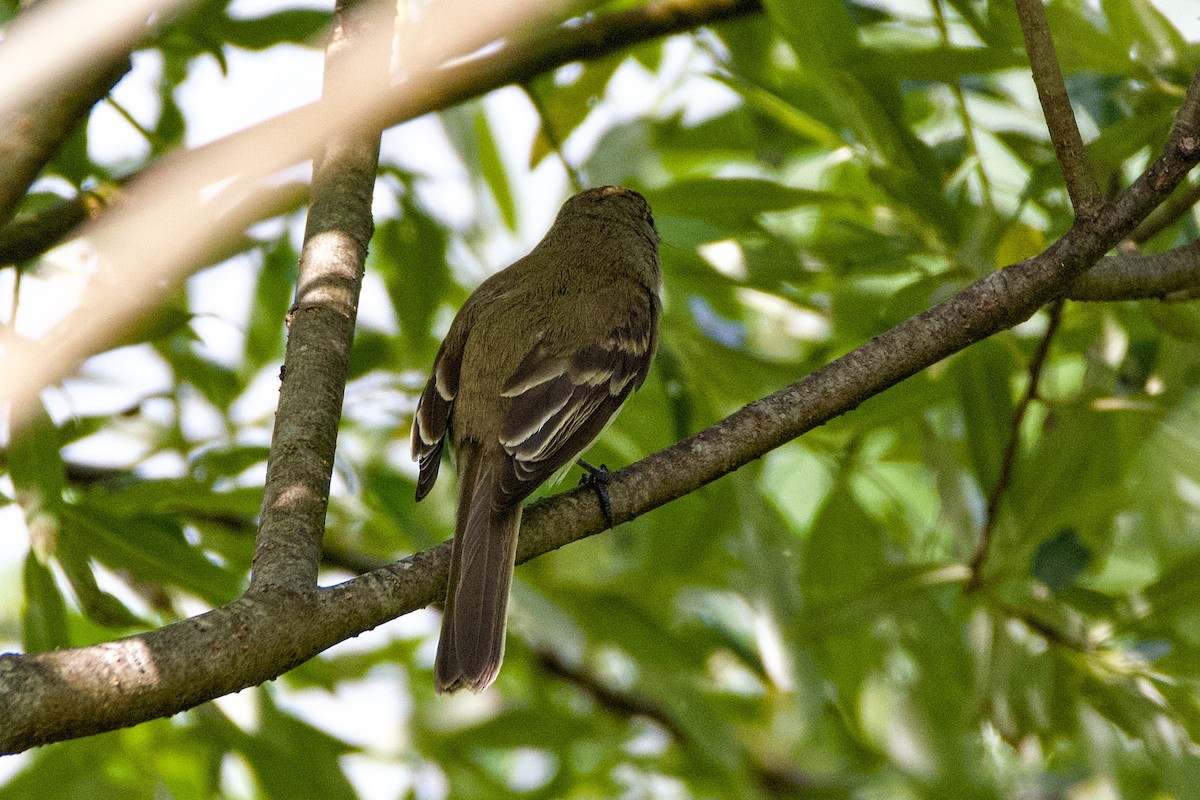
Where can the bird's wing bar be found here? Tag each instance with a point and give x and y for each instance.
(561, 402)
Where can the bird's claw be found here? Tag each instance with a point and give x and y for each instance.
(598, 478)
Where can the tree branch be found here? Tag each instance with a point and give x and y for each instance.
(773, 780)
(1141, 276)
(68, 693)
(1166, 214)
(132, 279)
(1056, 107)
(26, 239)
(33, 134)
(321, 322)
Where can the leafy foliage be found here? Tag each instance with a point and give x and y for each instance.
(802, 628)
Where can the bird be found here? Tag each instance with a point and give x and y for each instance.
(534, 367)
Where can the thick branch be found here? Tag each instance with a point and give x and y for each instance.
(321, 323)
(1056, 107)
(59, 695)
(32, 135)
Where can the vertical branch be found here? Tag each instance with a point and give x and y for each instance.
(1008, 463)
(1056, 107)
(321, 322)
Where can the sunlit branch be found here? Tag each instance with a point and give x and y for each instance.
(68, 693)
(168, 227)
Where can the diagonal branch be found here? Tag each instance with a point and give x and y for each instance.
(134, 276)
(775, 781)
(1166, 214)
(69, 693)
(33, 134)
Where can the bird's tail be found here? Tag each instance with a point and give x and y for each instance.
(471, 646)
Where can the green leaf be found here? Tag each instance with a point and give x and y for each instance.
(982, 375)
(492, 167)
(1181, 320)
(289, 758)
(224, 462)
(947, 64)
(1059, 561)
(564, 101)
(44, 621)
(97, 605)
(297, 25)
(38, 475)
(732, 203)
(823, 34)
(1146, 32)
(168, 319)
(151, 549)
(410, 255)
(220, 385)
(1081, 45)
(272, 297)
(371, 351)
(35, 464)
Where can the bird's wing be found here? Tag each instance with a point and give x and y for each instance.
(432, 418)
(562, 401)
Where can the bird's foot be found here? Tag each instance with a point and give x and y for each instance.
(598, 478)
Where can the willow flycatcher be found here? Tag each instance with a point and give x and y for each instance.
(535, 365)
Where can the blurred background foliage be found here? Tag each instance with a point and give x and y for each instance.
(802, 628)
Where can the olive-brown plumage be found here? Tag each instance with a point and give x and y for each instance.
(535, 365)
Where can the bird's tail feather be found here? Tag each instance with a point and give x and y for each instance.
(471, 646)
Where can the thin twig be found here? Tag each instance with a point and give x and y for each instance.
(623, 704)
(1008, 463)
(1056, 107)
(124, 113)
(1165, 215)
(985, 185)
(1141, 276)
